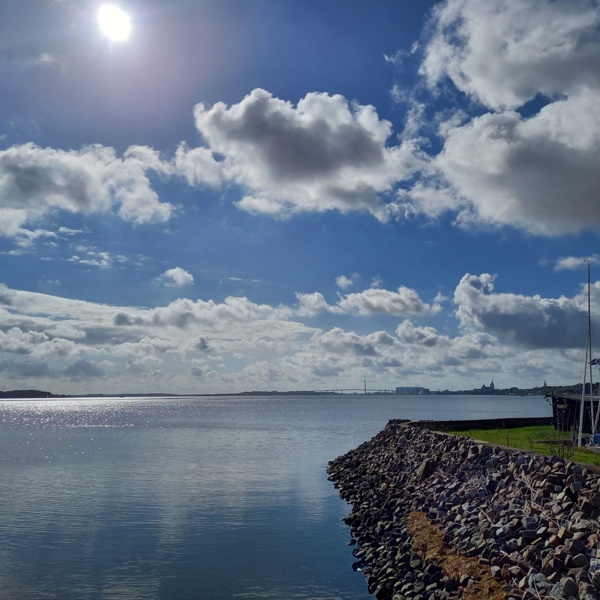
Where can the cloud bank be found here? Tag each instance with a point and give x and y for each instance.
(236, 345)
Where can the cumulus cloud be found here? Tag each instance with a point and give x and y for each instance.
(35, 181)
(529, 321)
(344, 282)
(80, 340)
(198, 166)
(338, 340)
(313, 304)
(572, 263)
(410, 334)
(198, 372)
(202, 344)
(403, 302)
(184, 312)
(324, 153)
(505, 52)
(512, 165)
(176, 277)
(237, 343)
(540, 174)
(444, 356)
(19, 342)
(523, 153)
(83, 369)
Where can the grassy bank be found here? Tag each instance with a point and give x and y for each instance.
(542, 439)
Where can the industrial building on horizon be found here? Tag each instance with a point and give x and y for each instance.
(412, 391)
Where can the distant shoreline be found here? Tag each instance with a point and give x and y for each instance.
(545, 391)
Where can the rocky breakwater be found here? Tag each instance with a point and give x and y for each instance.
(440, 516)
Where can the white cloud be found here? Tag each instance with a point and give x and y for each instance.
(508, 166)
(344, 282)
(238, 344)
(68, 231)
(176, 277)
(539, 174)
(184, 313)
(202, 344)
(536, 171)
(310, 305)
(572, 263)
(322, 154)
(144, 158)
(198, 166)
(404, 302)
(339, 341)
(505, 52)
(95, 258)
(19, 342)
(422, 336)
(528, 321)
(36, 181)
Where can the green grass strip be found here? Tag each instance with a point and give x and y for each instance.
(543, 439)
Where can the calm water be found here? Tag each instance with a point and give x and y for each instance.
(210, 498)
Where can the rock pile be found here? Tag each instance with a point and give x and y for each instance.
(532, 520)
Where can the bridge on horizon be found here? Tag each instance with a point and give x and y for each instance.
(355, 391)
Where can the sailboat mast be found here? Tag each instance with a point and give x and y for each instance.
(587, 365)
(589, 362)
(582, 402)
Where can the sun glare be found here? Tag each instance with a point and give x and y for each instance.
(115, 23)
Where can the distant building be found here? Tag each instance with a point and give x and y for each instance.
(412, 391)
(486, 389)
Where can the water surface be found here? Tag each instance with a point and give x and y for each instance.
(181, 498)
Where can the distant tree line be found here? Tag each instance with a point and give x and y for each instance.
(543, 390)
(27, 394)
(548, 390)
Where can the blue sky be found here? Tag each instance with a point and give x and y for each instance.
(297, 194)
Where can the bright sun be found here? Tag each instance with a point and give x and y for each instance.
(115, 24)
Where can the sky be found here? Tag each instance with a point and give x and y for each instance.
(222, 196)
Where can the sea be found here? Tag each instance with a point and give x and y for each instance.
(178, 498)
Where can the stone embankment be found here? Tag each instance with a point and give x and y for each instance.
(436, 516)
